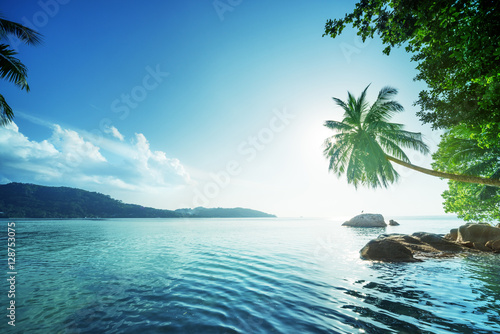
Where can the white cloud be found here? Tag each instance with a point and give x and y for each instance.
(14, 145)
(74, 148)
(77, 159)
(21, 157)
(115, 133)
(155, 166)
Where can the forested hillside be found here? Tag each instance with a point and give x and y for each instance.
(33, 201)
(20, 200)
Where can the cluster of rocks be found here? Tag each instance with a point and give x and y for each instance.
(478, 236)
(412, 248)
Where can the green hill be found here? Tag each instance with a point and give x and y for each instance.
(201, 212)
(33, 201)
(21, 200)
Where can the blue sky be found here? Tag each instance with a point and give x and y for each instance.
(176, 104)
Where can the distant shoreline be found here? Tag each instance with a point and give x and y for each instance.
(25, 200)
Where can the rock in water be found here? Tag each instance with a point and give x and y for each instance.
(482, 236)
(453, 235)
(392, 222)
(494, 245)
(403, 247)
(366, 220)
(386, 250)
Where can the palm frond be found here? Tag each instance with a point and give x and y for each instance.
(362, 105)
(338, 161)
(356, 111)
(387, 93)
(378, 165)
(338, 126)
(338, 153)
(365, 137)
(384, 107)
(6, 113)
(340, 103)
(393, 149)
(355, 172)
(25, 34)
(11, 68)
(407, 139)
(376, 127)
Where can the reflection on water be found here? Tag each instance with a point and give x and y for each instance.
(424, 299)
(242, 276)
(484, 277)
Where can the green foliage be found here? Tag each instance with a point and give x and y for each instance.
(11, 68)
(466, 201)
(365, 135)
(456, 47)
(460, 152)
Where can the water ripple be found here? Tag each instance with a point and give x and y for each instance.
(240, 276)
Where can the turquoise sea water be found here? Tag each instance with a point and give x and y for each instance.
(239, 276)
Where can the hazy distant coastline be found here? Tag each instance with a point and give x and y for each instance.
(22, 200)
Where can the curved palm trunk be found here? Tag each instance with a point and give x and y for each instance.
(454, 177)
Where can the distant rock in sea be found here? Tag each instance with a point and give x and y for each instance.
(392, 222)
(366, 220)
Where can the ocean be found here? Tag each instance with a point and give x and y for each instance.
(271, 275)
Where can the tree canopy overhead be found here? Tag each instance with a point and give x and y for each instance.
(459, 153)
(456, 47)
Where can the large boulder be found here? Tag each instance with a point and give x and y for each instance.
(404, 248)
(433, 243)
(453, 235)
(386, 249)
(480, 236)
(366, 220)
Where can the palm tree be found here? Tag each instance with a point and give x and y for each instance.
(366, 143)
(11, 68)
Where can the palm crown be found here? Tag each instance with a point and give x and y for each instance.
(11, 68)
(365, 139)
